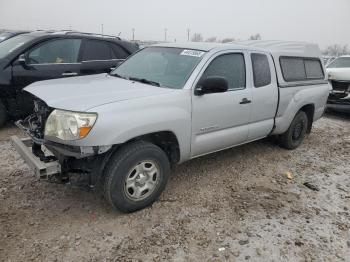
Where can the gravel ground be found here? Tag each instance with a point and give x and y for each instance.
(248, 203)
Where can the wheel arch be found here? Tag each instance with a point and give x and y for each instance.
(166, 140)
(309, 110)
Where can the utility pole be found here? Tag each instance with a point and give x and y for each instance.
(133, 34)
(165, 31)
(188, 35)
(102, 29)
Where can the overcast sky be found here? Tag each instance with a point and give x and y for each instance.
(325, 22)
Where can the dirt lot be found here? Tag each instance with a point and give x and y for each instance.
(240, 204)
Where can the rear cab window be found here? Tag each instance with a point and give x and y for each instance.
(301, 69)
(261, 70)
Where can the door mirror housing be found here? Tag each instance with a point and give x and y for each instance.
(212, 84)
(21, 60)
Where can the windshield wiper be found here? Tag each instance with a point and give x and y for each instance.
(144, 81)
(116, 75)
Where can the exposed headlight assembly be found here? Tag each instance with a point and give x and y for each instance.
(68, 125)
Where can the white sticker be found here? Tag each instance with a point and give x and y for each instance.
(195, 53)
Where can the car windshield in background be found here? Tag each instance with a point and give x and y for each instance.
(340, 62)
(163, 66)
(12, 44)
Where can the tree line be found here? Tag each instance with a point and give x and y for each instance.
(198, 37)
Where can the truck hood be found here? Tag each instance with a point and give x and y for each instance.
(338, 74)
(86, 92)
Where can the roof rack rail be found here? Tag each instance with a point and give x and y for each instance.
(91, 34)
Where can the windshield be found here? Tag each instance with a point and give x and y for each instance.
(168, 67)
(340, 62)
(12, 44)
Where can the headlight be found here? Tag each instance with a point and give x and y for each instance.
(68, 125)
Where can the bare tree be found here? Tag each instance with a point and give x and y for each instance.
(227, 40)
(255, 37)
(211, 39)
(197, 37)
(336, 50)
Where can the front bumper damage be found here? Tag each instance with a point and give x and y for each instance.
(58, 162)
(79, 166)
(339, 97)
(42, 169)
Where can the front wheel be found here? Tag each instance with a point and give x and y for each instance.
(136, 176)
(296, 132)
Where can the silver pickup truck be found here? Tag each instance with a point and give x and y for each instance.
(167, 104)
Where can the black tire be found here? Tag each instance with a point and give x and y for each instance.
(3, 115)
(296, 132)
(121, 166)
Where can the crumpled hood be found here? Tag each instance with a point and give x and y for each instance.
(86, 92)
(338, 74)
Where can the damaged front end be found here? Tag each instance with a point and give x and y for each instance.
(57, 162)
(339, 98)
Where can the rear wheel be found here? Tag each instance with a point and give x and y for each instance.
(3, 114)
(136, 176)
(296, 132)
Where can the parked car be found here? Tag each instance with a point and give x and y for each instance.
(6, 34)
(42, 55)
(167, 104)
(339, 76)
(328, 59)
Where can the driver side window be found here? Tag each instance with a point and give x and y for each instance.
(231, 67)
(55, 52)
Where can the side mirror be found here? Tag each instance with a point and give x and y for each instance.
(212, 84)
(21, 60)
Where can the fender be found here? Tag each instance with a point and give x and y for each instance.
(122, 121)
(294, 98)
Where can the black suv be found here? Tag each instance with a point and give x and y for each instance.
(35, 56)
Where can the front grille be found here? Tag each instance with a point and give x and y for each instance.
(340, 86)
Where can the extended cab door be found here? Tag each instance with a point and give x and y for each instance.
(51, 59)
(100, 56)
(220, 120)
(264, 95)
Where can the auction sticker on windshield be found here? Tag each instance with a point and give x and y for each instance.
(195, 53)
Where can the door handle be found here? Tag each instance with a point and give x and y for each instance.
(112, 68)
(69, 74)
(245, 101)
